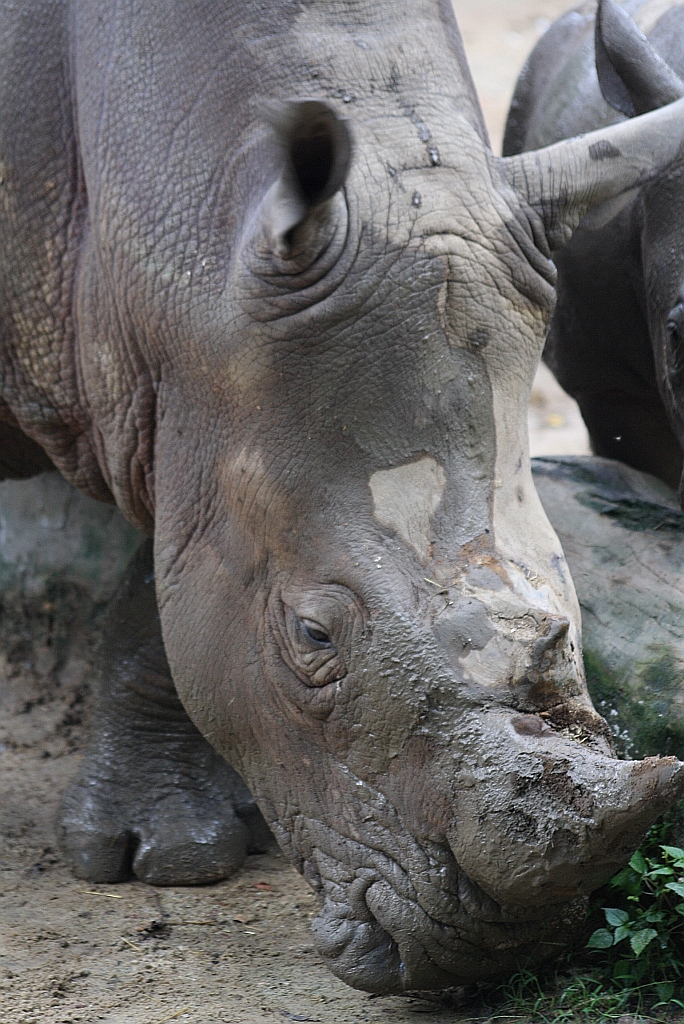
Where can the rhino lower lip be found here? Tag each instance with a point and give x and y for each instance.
(379, 941)
(387, 925)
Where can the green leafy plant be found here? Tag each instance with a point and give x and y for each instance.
(642, 944)
(632, 964)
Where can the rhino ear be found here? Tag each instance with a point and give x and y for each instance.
(316, 154)
(564, 181)
(632, 75)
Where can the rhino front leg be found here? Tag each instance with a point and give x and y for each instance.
(152, 797)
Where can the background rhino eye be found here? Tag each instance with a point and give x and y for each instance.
(315, 632)
(675, 322)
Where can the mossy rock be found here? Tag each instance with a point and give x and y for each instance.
(623, 536)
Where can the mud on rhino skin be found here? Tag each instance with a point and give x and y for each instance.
(267, 288)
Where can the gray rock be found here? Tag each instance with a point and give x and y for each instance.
(62, 557)
(51, 534)
(623, 535)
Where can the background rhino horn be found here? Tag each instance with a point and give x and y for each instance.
(633, 76)
(564, 181)
(317, 150)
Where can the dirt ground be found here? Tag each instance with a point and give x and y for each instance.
(235, 952)
(130, 954)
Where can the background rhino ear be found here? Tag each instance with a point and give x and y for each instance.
(564, 181)
(632, 75)
(317, 148)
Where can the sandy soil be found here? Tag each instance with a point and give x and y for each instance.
(235, 952)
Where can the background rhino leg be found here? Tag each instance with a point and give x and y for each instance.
(599, 350)
(152, 798)
(634, 431)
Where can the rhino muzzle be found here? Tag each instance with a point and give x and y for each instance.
(463, 835)
(533, 832)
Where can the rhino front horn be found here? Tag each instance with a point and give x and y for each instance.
(647, 789)
(316, 154)
(555, 823)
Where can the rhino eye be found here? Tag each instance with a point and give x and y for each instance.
(315, 632)
(316, 629)
(307, 647)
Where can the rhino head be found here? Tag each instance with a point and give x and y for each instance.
(341, 306)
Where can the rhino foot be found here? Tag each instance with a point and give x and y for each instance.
(152, 799)
(165, 820)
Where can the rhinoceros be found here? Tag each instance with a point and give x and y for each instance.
(266, 286)
(616, 338)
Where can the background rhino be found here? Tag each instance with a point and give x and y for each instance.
(615, 341)
(306, 374)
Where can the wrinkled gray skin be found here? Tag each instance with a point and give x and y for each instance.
(298, 351)
(616, 341)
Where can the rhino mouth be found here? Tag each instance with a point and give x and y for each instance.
(409, 910)
(381, 940)
(394, 921)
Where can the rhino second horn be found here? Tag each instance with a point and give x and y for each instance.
(632, 75)
(561, 183)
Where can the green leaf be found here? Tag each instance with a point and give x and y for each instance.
(639, 968)
(675, 852)
(615, 917)
(640, 940)
(624, 877)
(601, 939)
(622, 932)
(677, 887)
(623, 969)
(628, 881)
(660, 871)
(638, 864)
(665, 990)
